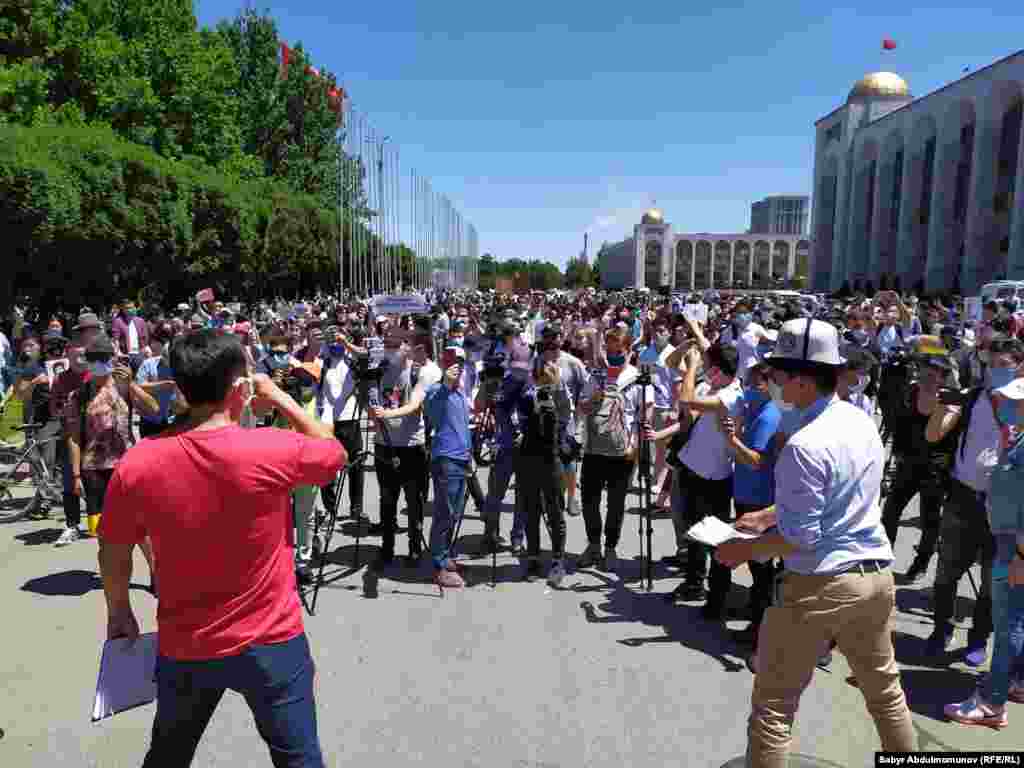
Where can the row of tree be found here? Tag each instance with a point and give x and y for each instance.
(139, 151)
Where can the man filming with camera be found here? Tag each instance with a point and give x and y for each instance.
(965, 530)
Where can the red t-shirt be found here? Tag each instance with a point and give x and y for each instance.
(216, 506)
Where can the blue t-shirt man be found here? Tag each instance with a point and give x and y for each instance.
(761, 419)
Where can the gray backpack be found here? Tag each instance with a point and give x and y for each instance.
(606, 426)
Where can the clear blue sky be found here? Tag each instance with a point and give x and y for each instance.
(542, 120)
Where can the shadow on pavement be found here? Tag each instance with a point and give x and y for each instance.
(929, 690)
(73, 583)
(40, 537)
(681, 624)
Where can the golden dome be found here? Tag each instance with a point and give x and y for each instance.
(652, 216)
(880, 85)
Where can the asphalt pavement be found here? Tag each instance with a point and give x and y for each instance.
(599, 673)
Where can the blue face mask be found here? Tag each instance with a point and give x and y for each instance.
(743, 319)
(99, 369)
(1000, 377)
(1008, 413)
(336, 350)
(616, 361)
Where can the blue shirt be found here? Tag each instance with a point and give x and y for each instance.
(827, 485)
(151, 370)
(761, 420)
(448, 414)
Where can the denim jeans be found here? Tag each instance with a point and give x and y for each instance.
(277, 683)
(1008, 625)
(502, 469)
(449, 504)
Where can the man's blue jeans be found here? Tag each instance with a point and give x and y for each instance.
(277, 683)
(449, 504)
(1007, 625)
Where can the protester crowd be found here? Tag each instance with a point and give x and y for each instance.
(808, 423)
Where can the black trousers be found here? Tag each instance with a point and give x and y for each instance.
(910, 478)
(762, 573)
(701, 498)
(410, 477)
(966, 535)
(601, 473)
(540, 489)
(350, 436)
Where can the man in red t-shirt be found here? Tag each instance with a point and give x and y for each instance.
(214, 500)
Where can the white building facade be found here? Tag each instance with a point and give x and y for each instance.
(922, 194)
(656, 257)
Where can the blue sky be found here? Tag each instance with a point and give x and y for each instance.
(543, 120)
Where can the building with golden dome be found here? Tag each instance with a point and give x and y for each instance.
(922, 194)
(656, 257)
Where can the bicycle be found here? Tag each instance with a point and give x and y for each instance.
(23, 467)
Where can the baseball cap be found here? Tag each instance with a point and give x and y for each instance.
(806, 343)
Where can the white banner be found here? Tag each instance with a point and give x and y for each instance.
(409, 304)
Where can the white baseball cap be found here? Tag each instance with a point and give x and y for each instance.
(1012, 391)
(806, 341)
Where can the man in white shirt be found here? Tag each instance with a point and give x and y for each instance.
(704, 483)
(409, 373)
(336, 403)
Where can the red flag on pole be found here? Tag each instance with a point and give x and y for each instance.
(888, 44)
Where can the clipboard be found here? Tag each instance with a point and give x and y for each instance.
(127, 677)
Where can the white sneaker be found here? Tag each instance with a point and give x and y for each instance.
(976, 711)
(69, 536)
(573, 508)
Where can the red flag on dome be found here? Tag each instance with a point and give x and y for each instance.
(888, 44)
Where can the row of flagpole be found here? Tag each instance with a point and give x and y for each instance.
(398, 233)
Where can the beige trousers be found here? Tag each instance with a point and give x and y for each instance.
(854, 609)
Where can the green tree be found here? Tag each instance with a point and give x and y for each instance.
(578, 274)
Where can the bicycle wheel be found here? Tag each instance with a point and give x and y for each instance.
(16, 489)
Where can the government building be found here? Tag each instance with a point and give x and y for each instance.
(919, 194)
(655, 257)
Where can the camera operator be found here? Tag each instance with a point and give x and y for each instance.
(918, 465)
(409, 374)
(965, 530)
(540, 490)
(336, 403)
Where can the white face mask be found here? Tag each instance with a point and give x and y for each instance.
(776, 392)
(661, 340)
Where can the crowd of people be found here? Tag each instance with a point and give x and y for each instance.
(807, 423)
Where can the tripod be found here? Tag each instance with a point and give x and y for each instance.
(646, 480)
(367, 396)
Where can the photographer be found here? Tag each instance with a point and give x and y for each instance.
(406, 379)
(965, 528)
(447, 410)
(918, 465)
(540, 491)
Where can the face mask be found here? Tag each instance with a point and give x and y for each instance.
(859, 336)
(860, 386)
(130, 312)
(1000, 377)
(743, 319)
(661, 340)
(755, 397)
(616, 361)
(100, 369)
(336, 350)
(1008, 413)
(776, 392)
